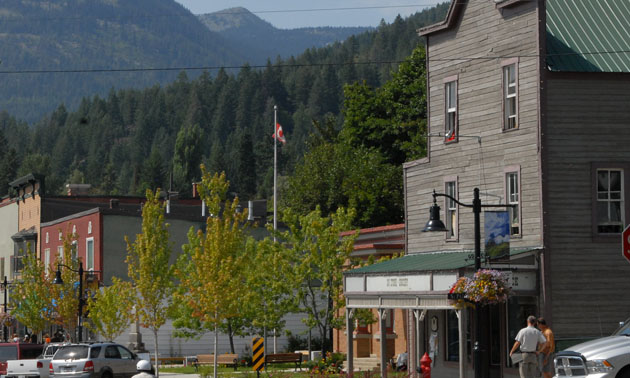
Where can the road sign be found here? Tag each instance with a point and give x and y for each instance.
(625, 243)
(258, 353)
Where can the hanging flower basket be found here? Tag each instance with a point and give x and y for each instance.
(487, 286)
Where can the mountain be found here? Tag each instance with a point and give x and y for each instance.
(133, 139)
(100, 42)
(263, 41)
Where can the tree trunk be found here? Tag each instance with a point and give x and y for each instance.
(155, 360)
(231, 336)
(216, 341)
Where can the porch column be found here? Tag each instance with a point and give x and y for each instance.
(382, 314)
(463, 354)
(350, 341)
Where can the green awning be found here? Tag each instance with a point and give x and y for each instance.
(430, 261)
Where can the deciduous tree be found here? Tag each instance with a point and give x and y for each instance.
(109, 310)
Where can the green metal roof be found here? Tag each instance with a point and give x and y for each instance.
(588, 35)
(430, 261)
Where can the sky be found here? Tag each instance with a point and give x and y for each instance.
(290, 14)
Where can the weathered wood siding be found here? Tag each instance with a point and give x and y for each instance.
(588, 122)
(474, 50)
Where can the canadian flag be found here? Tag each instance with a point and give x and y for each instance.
(280, 134)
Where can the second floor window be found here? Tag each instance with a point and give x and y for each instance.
(510, 97)
(450, 127)
(610, 217)
(89, 251)
(451, 210)
(513, 195)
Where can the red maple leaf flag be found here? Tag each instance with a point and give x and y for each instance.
(280, 133)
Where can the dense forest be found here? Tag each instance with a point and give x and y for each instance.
(131, 139)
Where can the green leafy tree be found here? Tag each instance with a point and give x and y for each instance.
(335, 175)
(149, 269)
(320, 256)
(32, 297)
(65, 295)
(210, 270)
(109, 310)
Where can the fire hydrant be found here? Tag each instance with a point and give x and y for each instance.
(425, 366)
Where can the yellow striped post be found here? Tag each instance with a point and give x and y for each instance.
(258, 353)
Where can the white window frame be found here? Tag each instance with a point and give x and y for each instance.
(608, 197)
(510, 94)
(60, 252)
(60, 235)
(47, 258)
(513, 196)
(89, 255)
(451, 116)
(47, 240)
(89, 227)
(451, 213)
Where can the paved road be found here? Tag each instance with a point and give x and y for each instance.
(175, 375)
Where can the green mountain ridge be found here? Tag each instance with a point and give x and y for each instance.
(43, 40)
(262, 40)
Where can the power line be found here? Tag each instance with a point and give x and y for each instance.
(227, 11)
(298, 65)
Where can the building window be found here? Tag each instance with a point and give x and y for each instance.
(89, 253)
(74, 229)
(47, 238)
(47, 258)
(74, 252)
(610, 201)
(512, 187)
(510, 97)
(90, 227)
(60, 253)
(451, 209)
(60, 235)
(450, 101)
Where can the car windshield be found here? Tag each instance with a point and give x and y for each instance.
(624, 330)
(72, 352)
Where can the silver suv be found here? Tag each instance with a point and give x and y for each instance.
(93, 360)
(607, 357)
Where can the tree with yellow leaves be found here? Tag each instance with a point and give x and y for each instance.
(109, 310)
(32, 297)
(149, 269)
(210, 270)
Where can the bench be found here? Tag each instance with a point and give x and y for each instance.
(226, 359)
(171, 361)
(280, 358)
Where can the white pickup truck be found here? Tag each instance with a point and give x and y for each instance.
(35, 368)
(607, 357)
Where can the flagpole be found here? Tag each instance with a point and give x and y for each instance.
(275, 174)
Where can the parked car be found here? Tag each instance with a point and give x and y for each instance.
(93, 360)
(607, 357)
(17, 351)
(33, 368)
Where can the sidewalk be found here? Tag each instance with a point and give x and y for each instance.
(175, 375)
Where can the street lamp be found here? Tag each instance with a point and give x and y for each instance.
(435, 224)
(5, 286)
(59, 281)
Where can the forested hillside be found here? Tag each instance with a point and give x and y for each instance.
(263, 40)
(131, 139)
(64, 39)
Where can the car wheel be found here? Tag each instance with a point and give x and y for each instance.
(624, 373)
(107, 375)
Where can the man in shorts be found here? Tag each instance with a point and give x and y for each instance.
(547, 349)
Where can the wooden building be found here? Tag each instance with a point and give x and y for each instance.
(528, 101)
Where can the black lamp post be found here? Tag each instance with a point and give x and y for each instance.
(435, 224)
(5, 286)
(59, 281)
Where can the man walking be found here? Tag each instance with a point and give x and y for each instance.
(529, 340)
(547, 350)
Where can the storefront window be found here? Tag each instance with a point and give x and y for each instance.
(518, 308)
(452, 336)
